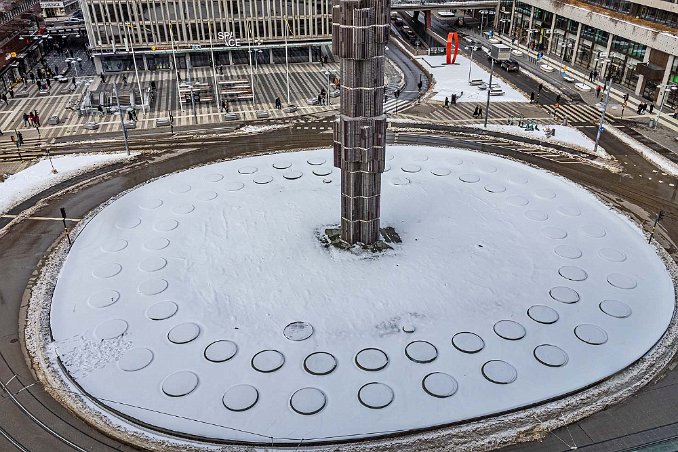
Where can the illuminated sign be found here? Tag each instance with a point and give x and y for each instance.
(229, 38)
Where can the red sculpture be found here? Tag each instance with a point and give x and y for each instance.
(453, 35)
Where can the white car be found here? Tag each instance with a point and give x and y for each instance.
(74, 21)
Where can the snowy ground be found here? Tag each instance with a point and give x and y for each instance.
(34, 179)
(564, 135)
(177, 303)
(453, 79)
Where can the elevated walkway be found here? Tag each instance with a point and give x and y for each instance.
(424, 5)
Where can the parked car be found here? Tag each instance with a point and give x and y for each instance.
(73, 21)
(510, 66)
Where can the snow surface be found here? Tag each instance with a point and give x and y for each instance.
(34, 179)
(564, 135)
(453, 79)
(246, 263)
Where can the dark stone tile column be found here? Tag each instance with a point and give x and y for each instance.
(359, 34)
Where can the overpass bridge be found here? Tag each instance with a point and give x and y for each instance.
(427, 6)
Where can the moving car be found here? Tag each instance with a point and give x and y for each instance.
(73, 21)
(510, 66)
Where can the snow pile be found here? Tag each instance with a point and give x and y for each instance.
(511, 287)
(453, 79)
(259, 129)
(31, 181)
(648, 154)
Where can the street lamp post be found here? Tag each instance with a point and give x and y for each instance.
(665, 89)
(483, 13)
(489, 89)
(470, 65)
(122, 120)
(328, 73)
(602, 115)
(134, 60)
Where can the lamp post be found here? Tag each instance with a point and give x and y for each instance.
(665, 89)
(483, 13)
(504, 22)
(287, 64)
(327, 73)
(470, 64)
(602, 115)
(134, 60)
(489, 89)
(122, 120)
(569, 43)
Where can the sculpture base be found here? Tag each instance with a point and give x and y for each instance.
(332, 237)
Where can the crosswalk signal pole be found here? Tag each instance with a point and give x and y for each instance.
(489, 88)
(602, 115)
(660, 215)
(63, 219)
(122, 120)
(397, 95)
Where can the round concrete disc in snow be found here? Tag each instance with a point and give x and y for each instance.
(468, 342)
(180, 189)
(621, 281)
(411, 168)
(110, 329)
(389, 157)
(564, 295)
(320, 363)
(421, 351)
(543, 314)
(322, 171)
(216, 177)
(510, 330)
(327, 180)
(488, 169)
(103, 298)
(247, 170)
(375, 395)
(292, 174)
(550, 355)
(615, 308)
(420, 158)
(156, 243)
(282, 164)
(568, 251)
(371, 359)
(537, 215)
(308, 401)
(440, 171)
(180, 383)
(518, 179)
(262, 179)
(612, 255)
(114, 246)
(573, 273)
(400, 181)
(107, 270)
(165, 225)
(594, 230)
(469, 178)
(387, 168)
(439, 384)
(591, 334)
(517, 200)
(128, 222)
(220, 351)
(570, 211)
(206, 196)
(544, 193)
(500, 372)
(298, 331)
(150, 204)
(162, 310)
(153, 286)
(554, 233)
(135, 359)
(495, 188)
(233, 186)
(240, 398)
(152, 264)
(184, 333)
(409, 327)
(183, 209)
(316, 161)
(268, 361)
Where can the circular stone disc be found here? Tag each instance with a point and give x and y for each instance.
(420, 158)
(499, 372)
(568, 251)
(308, 401)
(468, 342)
(488, 169)
(621, 281)
(114, 246)
(111, 329)
(220, 351)
(469, 178)
(180, 188)
(375, 395)
(292, 174)
(421, 352)
(165, 225)
(537, 215)
(214, 177)
(150, 204)
(439, 384)
(510, 330)
(107, 270)
(316, 161)
(183, 209)
(411, 168)
(612, 255)
(545, 193)
(570, 211)
(247, 170)
(103, 298)
(156, 243)
(550, 355)
(135, 359)
(320, 363)
(554, 233)
(180, 383)
(322, 171)
(573, 273)
(564, 295)
(327, 180)
(518, 179)
(128, 223)
(152, 264)
(615, 308)
(543, 314)
(153, 286)
(594, 230)
(495, 188)
(162, 310)
(206, 196)
(234, 186)
(591, 334)
(440, 171)
(371, 359)
(268, 361)
(298, 331)
(262, 179)
(184, 333)
(282, 164)
(240, 398)
(400, 181)
(517, 200)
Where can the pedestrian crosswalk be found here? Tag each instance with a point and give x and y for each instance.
(577, 113)
(462, 112)
(395, 105)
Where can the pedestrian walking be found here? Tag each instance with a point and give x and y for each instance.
(419, 85)
(475, 112)
(11, 93)
(532, 97)
(447, 102)
(130, 116)
(278, 103)
(320, 99)
(124, 80)
(103, 77)
(598, 89)
(4, 99)
(595, 75)
(639, 110)
(19, 139)
(80, 64)
(36, 118)
(31, 119)
(558, 99)
(49, 84)
(56, 69)
(541, 87)
(675, 113)
(223, 105)
(25, 117)
(626, 97)
(179, 76)
(480, 112)
(591, 76)
(221, 70)
(454, 98)
(100, 109)
(651, 108)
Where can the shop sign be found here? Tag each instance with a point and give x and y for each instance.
(52, 4)
(229, 38)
